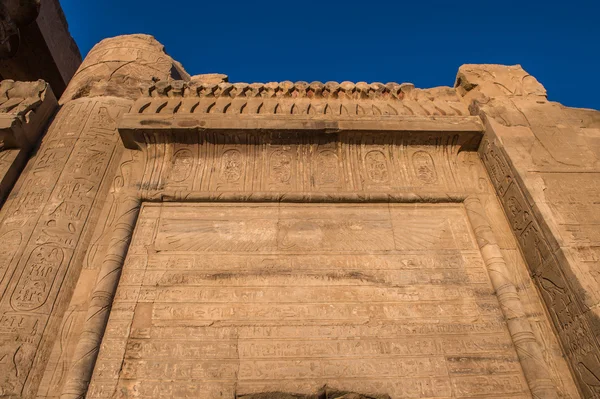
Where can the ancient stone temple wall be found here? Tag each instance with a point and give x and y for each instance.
(54, 207)
(543, 159)
(182, 236)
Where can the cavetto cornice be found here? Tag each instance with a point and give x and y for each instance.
(177, 105)
(312, 98)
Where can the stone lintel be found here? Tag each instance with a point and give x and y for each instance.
(132, 126)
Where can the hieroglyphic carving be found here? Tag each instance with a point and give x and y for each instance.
(265, 162)
(57, 201)
(231, 167)
(424, 167)
(54, 222)
(376, 165)
(34, 286)
(280, 167)
(106, 254)
(21, 212)
(327, 168)
(569, 315)
(201, 301)
(528, 349)
(267, 297)
(182, 166)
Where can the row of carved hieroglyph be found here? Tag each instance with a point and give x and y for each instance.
(301, 98)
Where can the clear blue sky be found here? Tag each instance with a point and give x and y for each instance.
(418, 41)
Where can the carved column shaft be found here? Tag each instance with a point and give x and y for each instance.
(56, 204)
(544, 162)
(528, 349)
(86, 352)
(50, 212)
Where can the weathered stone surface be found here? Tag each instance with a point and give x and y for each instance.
(180, 236)
(543, 159)
(119, 66)
(209, 78)
(51, 216)
(481, 82)
(25, 108)
(285, 280)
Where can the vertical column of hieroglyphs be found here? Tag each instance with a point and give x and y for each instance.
(57, 200)
(544, 161)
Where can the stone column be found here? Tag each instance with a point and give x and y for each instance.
(528, 349)
(544, 160)
(55, 206)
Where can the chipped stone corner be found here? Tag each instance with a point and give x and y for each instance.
(544, 160)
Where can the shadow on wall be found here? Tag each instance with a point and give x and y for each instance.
(324, 393)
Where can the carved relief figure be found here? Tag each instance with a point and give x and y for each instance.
(519, 216)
